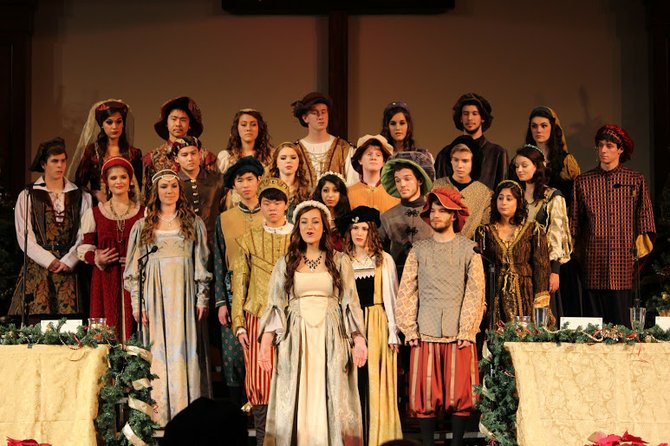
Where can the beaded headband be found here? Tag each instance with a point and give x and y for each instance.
(531, 146)
(311, 204)
(330, 172)
(510, 183)
(164, 173)
(247, 110)
(613, 134)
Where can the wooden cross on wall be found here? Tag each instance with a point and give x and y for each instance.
(338, 12)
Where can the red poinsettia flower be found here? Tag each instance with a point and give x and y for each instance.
(634, 441)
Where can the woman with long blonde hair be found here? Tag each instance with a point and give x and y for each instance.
(289, 164)
(172, 242)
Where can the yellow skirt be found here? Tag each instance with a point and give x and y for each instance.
(382, 387)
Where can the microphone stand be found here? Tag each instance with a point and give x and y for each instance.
(141, 267)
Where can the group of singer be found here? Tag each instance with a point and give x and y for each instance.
(315, 264)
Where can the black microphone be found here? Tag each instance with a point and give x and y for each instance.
(32, 185)
(151, 251)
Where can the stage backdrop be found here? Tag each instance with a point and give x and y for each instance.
(587, 60)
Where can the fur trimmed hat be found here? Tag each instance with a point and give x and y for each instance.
(186, 104)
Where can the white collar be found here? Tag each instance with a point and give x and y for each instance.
(285, 229)
(68, 187)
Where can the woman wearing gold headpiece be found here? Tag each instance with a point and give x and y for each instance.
(175, 294)
(519, 249)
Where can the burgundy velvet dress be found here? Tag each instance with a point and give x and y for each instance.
(101, 231)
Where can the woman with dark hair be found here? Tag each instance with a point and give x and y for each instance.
(398, 127)
(545, 132)
(377, 286)
(175, 294)
(289, 164)
(546, 205)
(331, 190)
(106, 134)
(315, 320)
(106, 228)
(519, 250)
(248, 137)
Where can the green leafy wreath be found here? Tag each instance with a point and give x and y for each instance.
(127, 380)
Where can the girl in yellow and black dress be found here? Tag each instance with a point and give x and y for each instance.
(377, 286)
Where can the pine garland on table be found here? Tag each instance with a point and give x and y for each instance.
(127, 380)
(498, 400)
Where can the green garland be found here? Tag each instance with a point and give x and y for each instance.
(125, 368)
(498, 400)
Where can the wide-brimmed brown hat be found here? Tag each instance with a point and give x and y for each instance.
(186, 104)
(366, 141)
(303, 106)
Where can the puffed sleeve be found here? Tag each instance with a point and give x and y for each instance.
(70, 258)
(131, 273)
(274, 318)
(223, 161)
(240, 285)
(349, 302)
(89, 243)
(408, 299)
(558, 232)
(570, 168)
(202, 276)
(352, 177)
(472, 309)
(389, 294)
(540, 263)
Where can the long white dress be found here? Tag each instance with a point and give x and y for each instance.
(314, 395)
(176, 281)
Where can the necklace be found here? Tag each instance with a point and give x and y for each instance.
(120, 221)
(312, 264)
(168, 220)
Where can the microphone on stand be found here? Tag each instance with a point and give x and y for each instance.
(151, 251)
(141, 264)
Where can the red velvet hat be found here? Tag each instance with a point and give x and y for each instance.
(450, 199)
(618, 136)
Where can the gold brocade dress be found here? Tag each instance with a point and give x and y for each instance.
(314, 395)
(522, 269)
